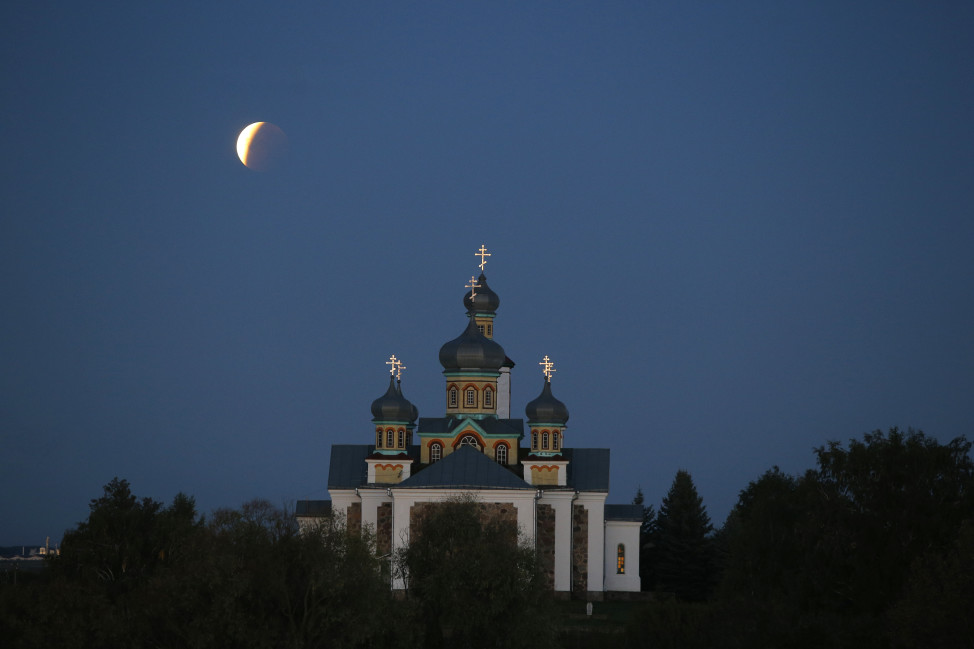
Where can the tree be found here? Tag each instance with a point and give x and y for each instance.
(647, 532)
(685, 562)
(474, 582)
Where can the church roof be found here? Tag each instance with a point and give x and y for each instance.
(624, 513)
(490, 425)
(588, 468)
(347, 468)
(464, 468)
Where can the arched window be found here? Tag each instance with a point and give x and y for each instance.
(454, 396)
(621, 560)
(471, 397)
(389, 439)
(378, 438)
(534, 440)
(469, 440)
(488, 398)
(490, 331)
(555, 441)
(500, 453)
(436, 452)
(544, 440)
(480, 328)
(402, 438)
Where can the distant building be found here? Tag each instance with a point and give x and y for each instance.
(556, 494)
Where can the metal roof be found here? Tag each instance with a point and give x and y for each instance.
(490, 425)
(312, 508)
(588, 468)
(347, 468)
(465, 467)
(624, 513)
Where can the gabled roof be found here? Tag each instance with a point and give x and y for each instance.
(464, 468)
(624, 513)
(588, 468)
(314, 508)
(488, 425)
(347, 468)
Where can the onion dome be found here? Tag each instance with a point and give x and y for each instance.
(484, 299)
(392, 406)
(546, 409)
(472, 351)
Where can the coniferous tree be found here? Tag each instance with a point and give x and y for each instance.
(647, 531)
(685, 562)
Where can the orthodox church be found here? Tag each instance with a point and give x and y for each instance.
(555, 494)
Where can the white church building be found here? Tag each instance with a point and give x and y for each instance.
(555, 493)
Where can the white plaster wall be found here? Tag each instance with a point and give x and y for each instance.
(627, 533)
(594, 502)
(561, 501)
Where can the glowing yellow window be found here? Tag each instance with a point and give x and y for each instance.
(621, 560)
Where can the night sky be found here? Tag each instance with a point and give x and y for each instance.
(741, 230)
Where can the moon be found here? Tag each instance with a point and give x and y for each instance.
(262, 146)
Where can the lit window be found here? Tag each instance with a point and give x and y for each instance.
(471, 397)
(621, 560)
(436, 452)
(555, 441)
(500, 453)
(544, 440)
(488, 398)
(402, 438)
(389, 438)
(453, 397)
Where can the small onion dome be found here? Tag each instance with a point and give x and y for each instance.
(392, 406)
(546, 409)
(484, 300)
(472, 351)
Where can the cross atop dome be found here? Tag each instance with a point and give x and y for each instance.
(395, 367)
(549, 368)
(483, 254)
(473, 286)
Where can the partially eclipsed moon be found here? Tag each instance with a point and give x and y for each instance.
(261, 146)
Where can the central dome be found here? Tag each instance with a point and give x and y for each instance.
(484, 300)
(472, 351)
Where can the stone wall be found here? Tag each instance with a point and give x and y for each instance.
(546, 541)
(502, 512)
(579, 551)
(353, 518)
(383, 533)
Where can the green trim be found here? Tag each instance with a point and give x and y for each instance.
(453, 373)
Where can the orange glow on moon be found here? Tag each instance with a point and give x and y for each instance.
(261, 146)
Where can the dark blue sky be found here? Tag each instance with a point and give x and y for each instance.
(740, 231)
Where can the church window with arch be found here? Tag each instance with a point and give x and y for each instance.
(390, 441)
(436, 452)
(500, 453)
(378, 438)
(471, 399)
(544, 441)
(402, 438)
(488, 398)
(555, 441)
(534, 440)
(469, 440)
(454, 397)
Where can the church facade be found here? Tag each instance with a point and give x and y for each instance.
(555, 493)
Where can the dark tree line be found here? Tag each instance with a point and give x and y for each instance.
(872, 548)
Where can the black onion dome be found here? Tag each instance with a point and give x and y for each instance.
(472, 351)
(485, 300)
(546, 409)
(392, 406)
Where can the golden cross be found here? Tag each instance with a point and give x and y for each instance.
(393, 363)
(473, 286)
(483, 254)
(549, 368)
(399, 368)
